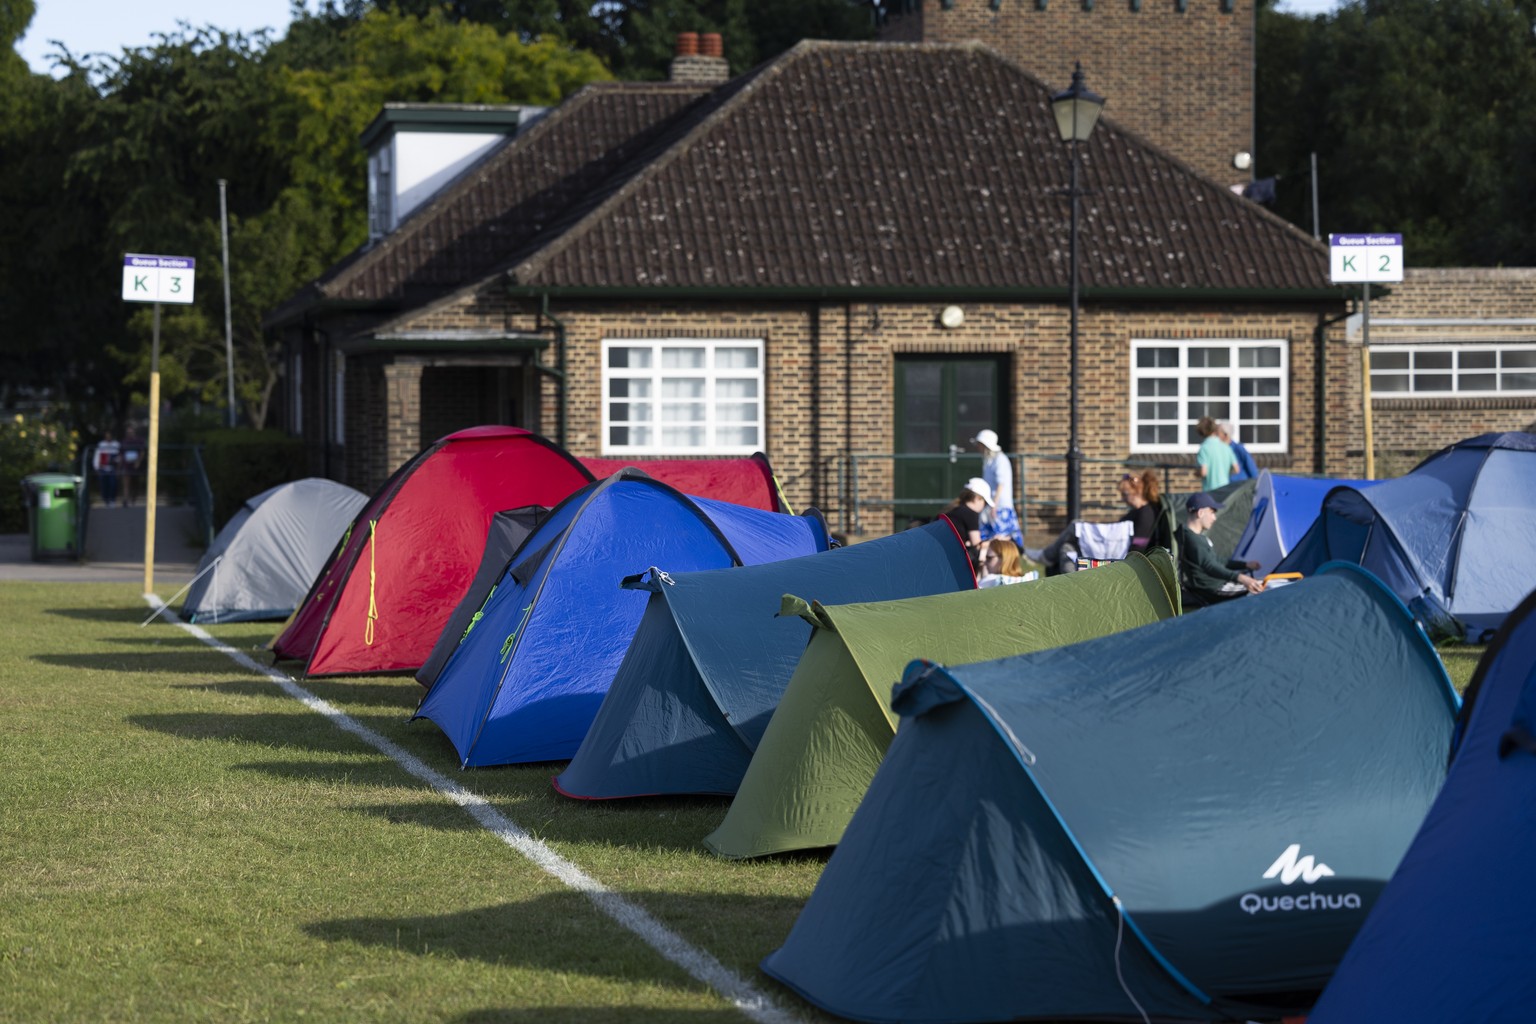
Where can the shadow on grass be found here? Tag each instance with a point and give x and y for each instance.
(595, 1015)
(373, 694)
(162, 660)
(297, 731)
(562, 931)
(402, 692)
(129, 613)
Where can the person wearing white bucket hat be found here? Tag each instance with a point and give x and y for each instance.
(965, 513)
(1000, 519)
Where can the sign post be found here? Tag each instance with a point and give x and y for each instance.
(1366, 258)
(155, 279)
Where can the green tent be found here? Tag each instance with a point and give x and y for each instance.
(834, 722)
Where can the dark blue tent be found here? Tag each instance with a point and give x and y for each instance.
(527, 677)
(506, 533)
(1138, 823)
(1451, 939)
(1456, 536)
(712, 658)
(1284, 509)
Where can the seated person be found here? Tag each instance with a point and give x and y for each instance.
(1203, 579)
(1140, 494)
(1000, 564)
(965, 515)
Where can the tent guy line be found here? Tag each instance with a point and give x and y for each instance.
(698, 964)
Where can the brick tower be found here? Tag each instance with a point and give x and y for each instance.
(1179, 73)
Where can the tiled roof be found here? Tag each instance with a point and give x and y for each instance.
(503, 203)
(836, 167)
(868, 165)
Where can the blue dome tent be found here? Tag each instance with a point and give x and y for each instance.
(1284, 509)
(1137, 825)
(530, 672)
(1455, 537)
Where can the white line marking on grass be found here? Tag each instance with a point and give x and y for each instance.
(700, 965)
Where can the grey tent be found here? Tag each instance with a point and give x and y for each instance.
(263, 561)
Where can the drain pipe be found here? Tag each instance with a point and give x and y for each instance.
(559, 371)
(327, 400)
(816, 404)
(1320, 385)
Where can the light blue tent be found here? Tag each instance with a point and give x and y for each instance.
(1135, 825)
(1284, 508)
(532, 668)
(1451, 939)
(1456, 536)
(713, 655)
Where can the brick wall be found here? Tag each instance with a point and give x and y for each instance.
(1181, 78)
(1448, 306)
(831, 370)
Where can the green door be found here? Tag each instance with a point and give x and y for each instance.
(941, 402)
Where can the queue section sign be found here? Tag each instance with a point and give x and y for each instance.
(158, 278)
(1365, 257)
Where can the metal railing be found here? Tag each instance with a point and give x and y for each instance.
(858, 499)
(181, 479)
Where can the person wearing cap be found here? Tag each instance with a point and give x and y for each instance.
(1000, 519)
(1203, 579)
(965, 513)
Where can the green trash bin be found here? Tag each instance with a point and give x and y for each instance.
(53, 514)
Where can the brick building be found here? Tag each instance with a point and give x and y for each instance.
(1453, 355)
(826, 262)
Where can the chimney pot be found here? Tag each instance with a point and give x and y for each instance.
(711, 45)
(687, 44)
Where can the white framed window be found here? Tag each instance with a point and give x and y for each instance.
(1478, 370)
(1174, 383)
(682, 396)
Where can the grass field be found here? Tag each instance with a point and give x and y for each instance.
(183, 840)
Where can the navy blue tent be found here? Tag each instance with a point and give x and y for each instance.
(1456, 536)
(712, 657)
(529, 674)
(1451, 939)
(1284, 509)
(1141, 823)
(505, 534)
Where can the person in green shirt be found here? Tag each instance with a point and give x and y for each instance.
(1215, 456)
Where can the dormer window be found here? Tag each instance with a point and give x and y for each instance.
(416, 149)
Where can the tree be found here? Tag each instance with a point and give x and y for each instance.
(1419, 111)
(124, 154)
(636, 38)
(319, 112)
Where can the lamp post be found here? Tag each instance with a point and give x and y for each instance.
(1077, 111)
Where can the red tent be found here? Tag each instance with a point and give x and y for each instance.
(382, 599)
(746, 481)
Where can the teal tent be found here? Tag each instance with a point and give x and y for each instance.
(1142, 825)
(712, 657)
